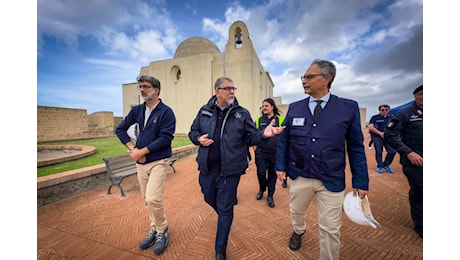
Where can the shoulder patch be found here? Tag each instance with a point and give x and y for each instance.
(206, 113)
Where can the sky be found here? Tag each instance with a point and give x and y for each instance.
(86, 50)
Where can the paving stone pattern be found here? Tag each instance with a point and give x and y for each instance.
(94, 225)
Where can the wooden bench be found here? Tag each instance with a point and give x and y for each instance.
(120, 167)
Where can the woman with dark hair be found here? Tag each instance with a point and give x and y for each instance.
(266, 153)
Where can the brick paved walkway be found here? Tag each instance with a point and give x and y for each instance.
(93, 225)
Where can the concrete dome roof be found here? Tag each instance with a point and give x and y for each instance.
(195, 46)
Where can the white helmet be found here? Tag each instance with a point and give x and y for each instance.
(133, 131)
(359, 210)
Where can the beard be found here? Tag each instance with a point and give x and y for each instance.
(230, 101)
(149, 97)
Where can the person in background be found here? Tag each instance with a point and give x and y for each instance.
(151, 151)
(405, 134)
(376, 127)
(265, 153)
(322, 130)
(223, 130)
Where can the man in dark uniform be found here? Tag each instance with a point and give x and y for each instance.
(405, 134)
(377, 125)
(223, 130)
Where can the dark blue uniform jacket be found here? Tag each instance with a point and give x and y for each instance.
(238, 132)
(405, 132)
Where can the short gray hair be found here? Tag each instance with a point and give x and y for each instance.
(155, 82)
(220, 80)
(327, 68)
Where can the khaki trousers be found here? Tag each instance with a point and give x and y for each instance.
(152, 179)
(329, 204)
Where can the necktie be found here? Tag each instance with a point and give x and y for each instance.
(318, 108)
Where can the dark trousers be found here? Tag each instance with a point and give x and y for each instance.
(266, 173)
(379, 144)
(220, 193)
(414, 176)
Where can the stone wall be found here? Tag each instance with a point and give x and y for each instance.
(59, 124)
(117, 120)
(55, 123)
(101, 123)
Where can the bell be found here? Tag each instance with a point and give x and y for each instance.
(238, 38)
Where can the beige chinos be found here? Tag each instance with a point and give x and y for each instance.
(329, 206)
(152, 179)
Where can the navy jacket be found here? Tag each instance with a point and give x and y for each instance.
(405, 132)
(317, 149)
(156, 135)
(238, 132)
(380, 123)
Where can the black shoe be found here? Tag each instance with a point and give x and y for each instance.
(270, 202)
(295, 241)
(284, 184)
(221, 256)
(260, 194)
(149, 240)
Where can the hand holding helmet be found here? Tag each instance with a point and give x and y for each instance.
(358, 210)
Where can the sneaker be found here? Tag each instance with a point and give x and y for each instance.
(161, 241)
(380, 169)
(388, 169)
(149, 240)
(295, 241)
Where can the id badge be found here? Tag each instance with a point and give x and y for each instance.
(298, 121)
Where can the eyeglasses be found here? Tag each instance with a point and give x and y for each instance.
(384, 109)
(228, 89)
(310, 76)
(143, 86)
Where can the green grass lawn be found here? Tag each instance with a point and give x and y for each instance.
(105, 147)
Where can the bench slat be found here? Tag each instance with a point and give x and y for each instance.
(120, 167)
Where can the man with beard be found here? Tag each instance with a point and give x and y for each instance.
(223, 130)
(151, 151)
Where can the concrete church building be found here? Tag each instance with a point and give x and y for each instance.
(187, 80)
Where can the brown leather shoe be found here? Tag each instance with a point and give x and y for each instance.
(295, 241)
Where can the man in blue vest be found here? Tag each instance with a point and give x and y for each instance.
(321, 130)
